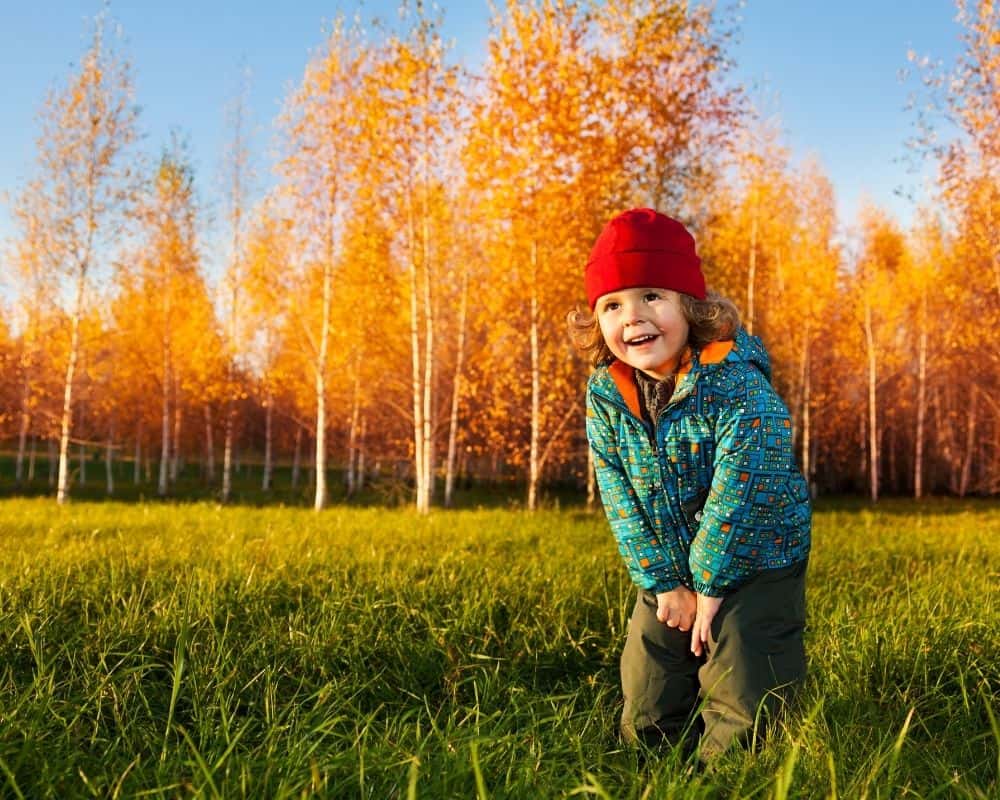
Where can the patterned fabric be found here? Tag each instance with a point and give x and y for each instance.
(711, 495)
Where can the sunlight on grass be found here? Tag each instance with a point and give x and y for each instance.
(195, 649)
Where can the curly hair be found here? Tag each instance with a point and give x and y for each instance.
(713, 319)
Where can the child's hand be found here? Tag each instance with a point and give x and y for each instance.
(676, 608)
(707, 608)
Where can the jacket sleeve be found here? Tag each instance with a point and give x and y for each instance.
(751, 506)
(653, 564)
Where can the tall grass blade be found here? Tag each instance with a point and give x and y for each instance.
(481, 792)
(180, 656)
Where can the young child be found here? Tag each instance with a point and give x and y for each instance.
(693, 451)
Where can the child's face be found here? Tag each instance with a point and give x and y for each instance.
(644, 327)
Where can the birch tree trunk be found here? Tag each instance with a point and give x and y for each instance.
(456, 393)
(918, 457)
(109, 454)
(752, 266)
(22, 441)
(82, 452)
(66, 421)
(533, 463)
(268, 414)
(227, 450)
(209, 446)
(161, 485)
(137, 458)
(324, 338)
(359, 476)
(970, 445)
(352, 435)
(227, 453)
(31, 459)
(238, 167)
(873, 455)
(807, 460)
(175, 450)
(428, 393)
(25, 423)
(418, 408)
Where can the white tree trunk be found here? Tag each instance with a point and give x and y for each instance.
(109, 461)
(805, 383)
(319, 502)
(137, 459)
(418, 414)
(752, 267)
(534, 468)
(209, 446)
(22, 441)
(161, 485)
(227, 454)
(66, 422)
(352, 435)
(873, 455)
(24, 427)
(175, 450)
(808, 468)
(359, 476)
(31, 459)
(269, 413)
(918, 458)
(428, 394)
(456, 393)
(320, 499)
(83, 463)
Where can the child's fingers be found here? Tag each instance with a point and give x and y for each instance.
(699, 636)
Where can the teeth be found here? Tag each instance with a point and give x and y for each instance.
(641, 339)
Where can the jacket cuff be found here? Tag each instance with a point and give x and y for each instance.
(709, 590)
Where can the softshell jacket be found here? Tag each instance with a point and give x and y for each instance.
(710, 495)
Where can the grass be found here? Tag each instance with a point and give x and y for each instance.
(161, 650)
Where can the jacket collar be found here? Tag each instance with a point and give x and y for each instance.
(624, 376)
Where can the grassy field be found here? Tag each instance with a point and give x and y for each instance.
(161, 650)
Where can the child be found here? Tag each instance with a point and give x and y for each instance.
(693, 451)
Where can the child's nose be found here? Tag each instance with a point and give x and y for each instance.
(633, 315)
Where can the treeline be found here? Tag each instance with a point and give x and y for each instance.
(395, 305)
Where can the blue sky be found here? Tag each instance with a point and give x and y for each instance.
(828, 70)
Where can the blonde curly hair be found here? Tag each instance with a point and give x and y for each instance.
(713, 319)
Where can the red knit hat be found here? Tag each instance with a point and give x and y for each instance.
(643, 247)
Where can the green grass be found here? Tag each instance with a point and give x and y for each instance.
(192, 650)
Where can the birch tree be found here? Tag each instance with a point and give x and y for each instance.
(238, 177)
(75, 203)
(319, 128)
(410, 122)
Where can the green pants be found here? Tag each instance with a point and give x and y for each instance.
(752, 664)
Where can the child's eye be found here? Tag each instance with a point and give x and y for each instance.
(649, 296)
(611, 305)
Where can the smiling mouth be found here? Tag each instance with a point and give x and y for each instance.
(641, 339)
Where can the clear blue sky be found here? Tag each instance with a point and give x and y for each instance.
(829, 70)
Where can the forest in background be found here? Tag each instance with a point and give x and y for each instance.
(394, 307)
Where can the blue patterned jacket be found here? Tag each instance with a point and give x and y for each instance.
(712, 496)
